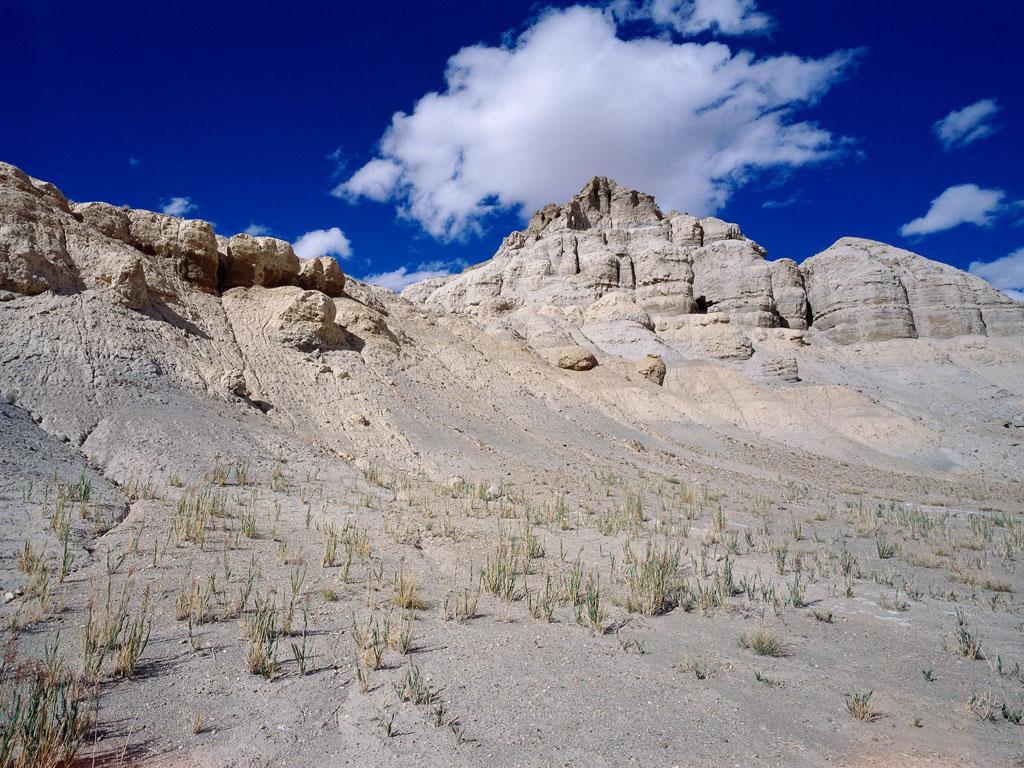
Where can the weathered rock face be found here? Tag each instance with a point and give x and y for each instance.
(33, 241)
(187, 244)
(307, 321)
(862, 290)
(633, 281)
(322, 274)
(264, 261)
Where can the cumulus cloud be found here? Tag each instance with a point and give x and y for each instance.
(1006, 274)
(257, 230)
(690, 17)
(397, 279)
(323, 242)
(527, 123)
(965, 126)
(178, 206)
(962, 204)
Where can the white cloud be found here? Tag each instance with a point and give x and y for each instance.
(965, 126)
(525, 124)
(1006, 274)
(691, 17)
(256, 230)
(178, 206)
(397, 279)
(323, 242)
(962, 204)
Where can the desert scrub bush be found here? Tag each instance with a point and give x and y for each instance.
(983, 705)
(700, 668)
(331, 539)
(779, 552)
(766, 680)
(821, 615)
(651, 578)
(764, 642)
(194, 512)
(371, 641)
(859, 706)
(401, 636)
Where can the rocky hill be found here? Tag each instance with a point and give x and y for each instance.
(670, 282)
(618, 377)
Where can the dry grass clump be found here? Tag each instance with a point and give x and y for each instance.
(262, 630)
(859, 706)
(651, 579)
(764, 642)
(45, 712)
(968, 644)
(407, 591)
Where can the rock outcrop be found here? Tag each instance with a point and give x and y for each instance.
(47, 244)
(263, 261)
(33, 240)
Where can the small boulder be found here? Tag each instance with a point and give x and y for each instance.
(576, 358)
(652, 368)
(307, 322)
(322, 274)
(234, 384)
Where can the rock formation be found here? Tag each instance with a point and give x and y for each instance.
(611, 269)
(48, 244)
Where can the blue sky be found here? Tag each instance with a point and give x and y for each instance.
(803, 121)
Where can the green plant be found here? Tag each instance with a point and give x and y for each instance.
(823, 616)
(859, 706)
(414, 687)
(885, 548)
(590, 611)
(134, 639)
(771, 682)
(968, 644)
(44, 712)
(499, 575)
